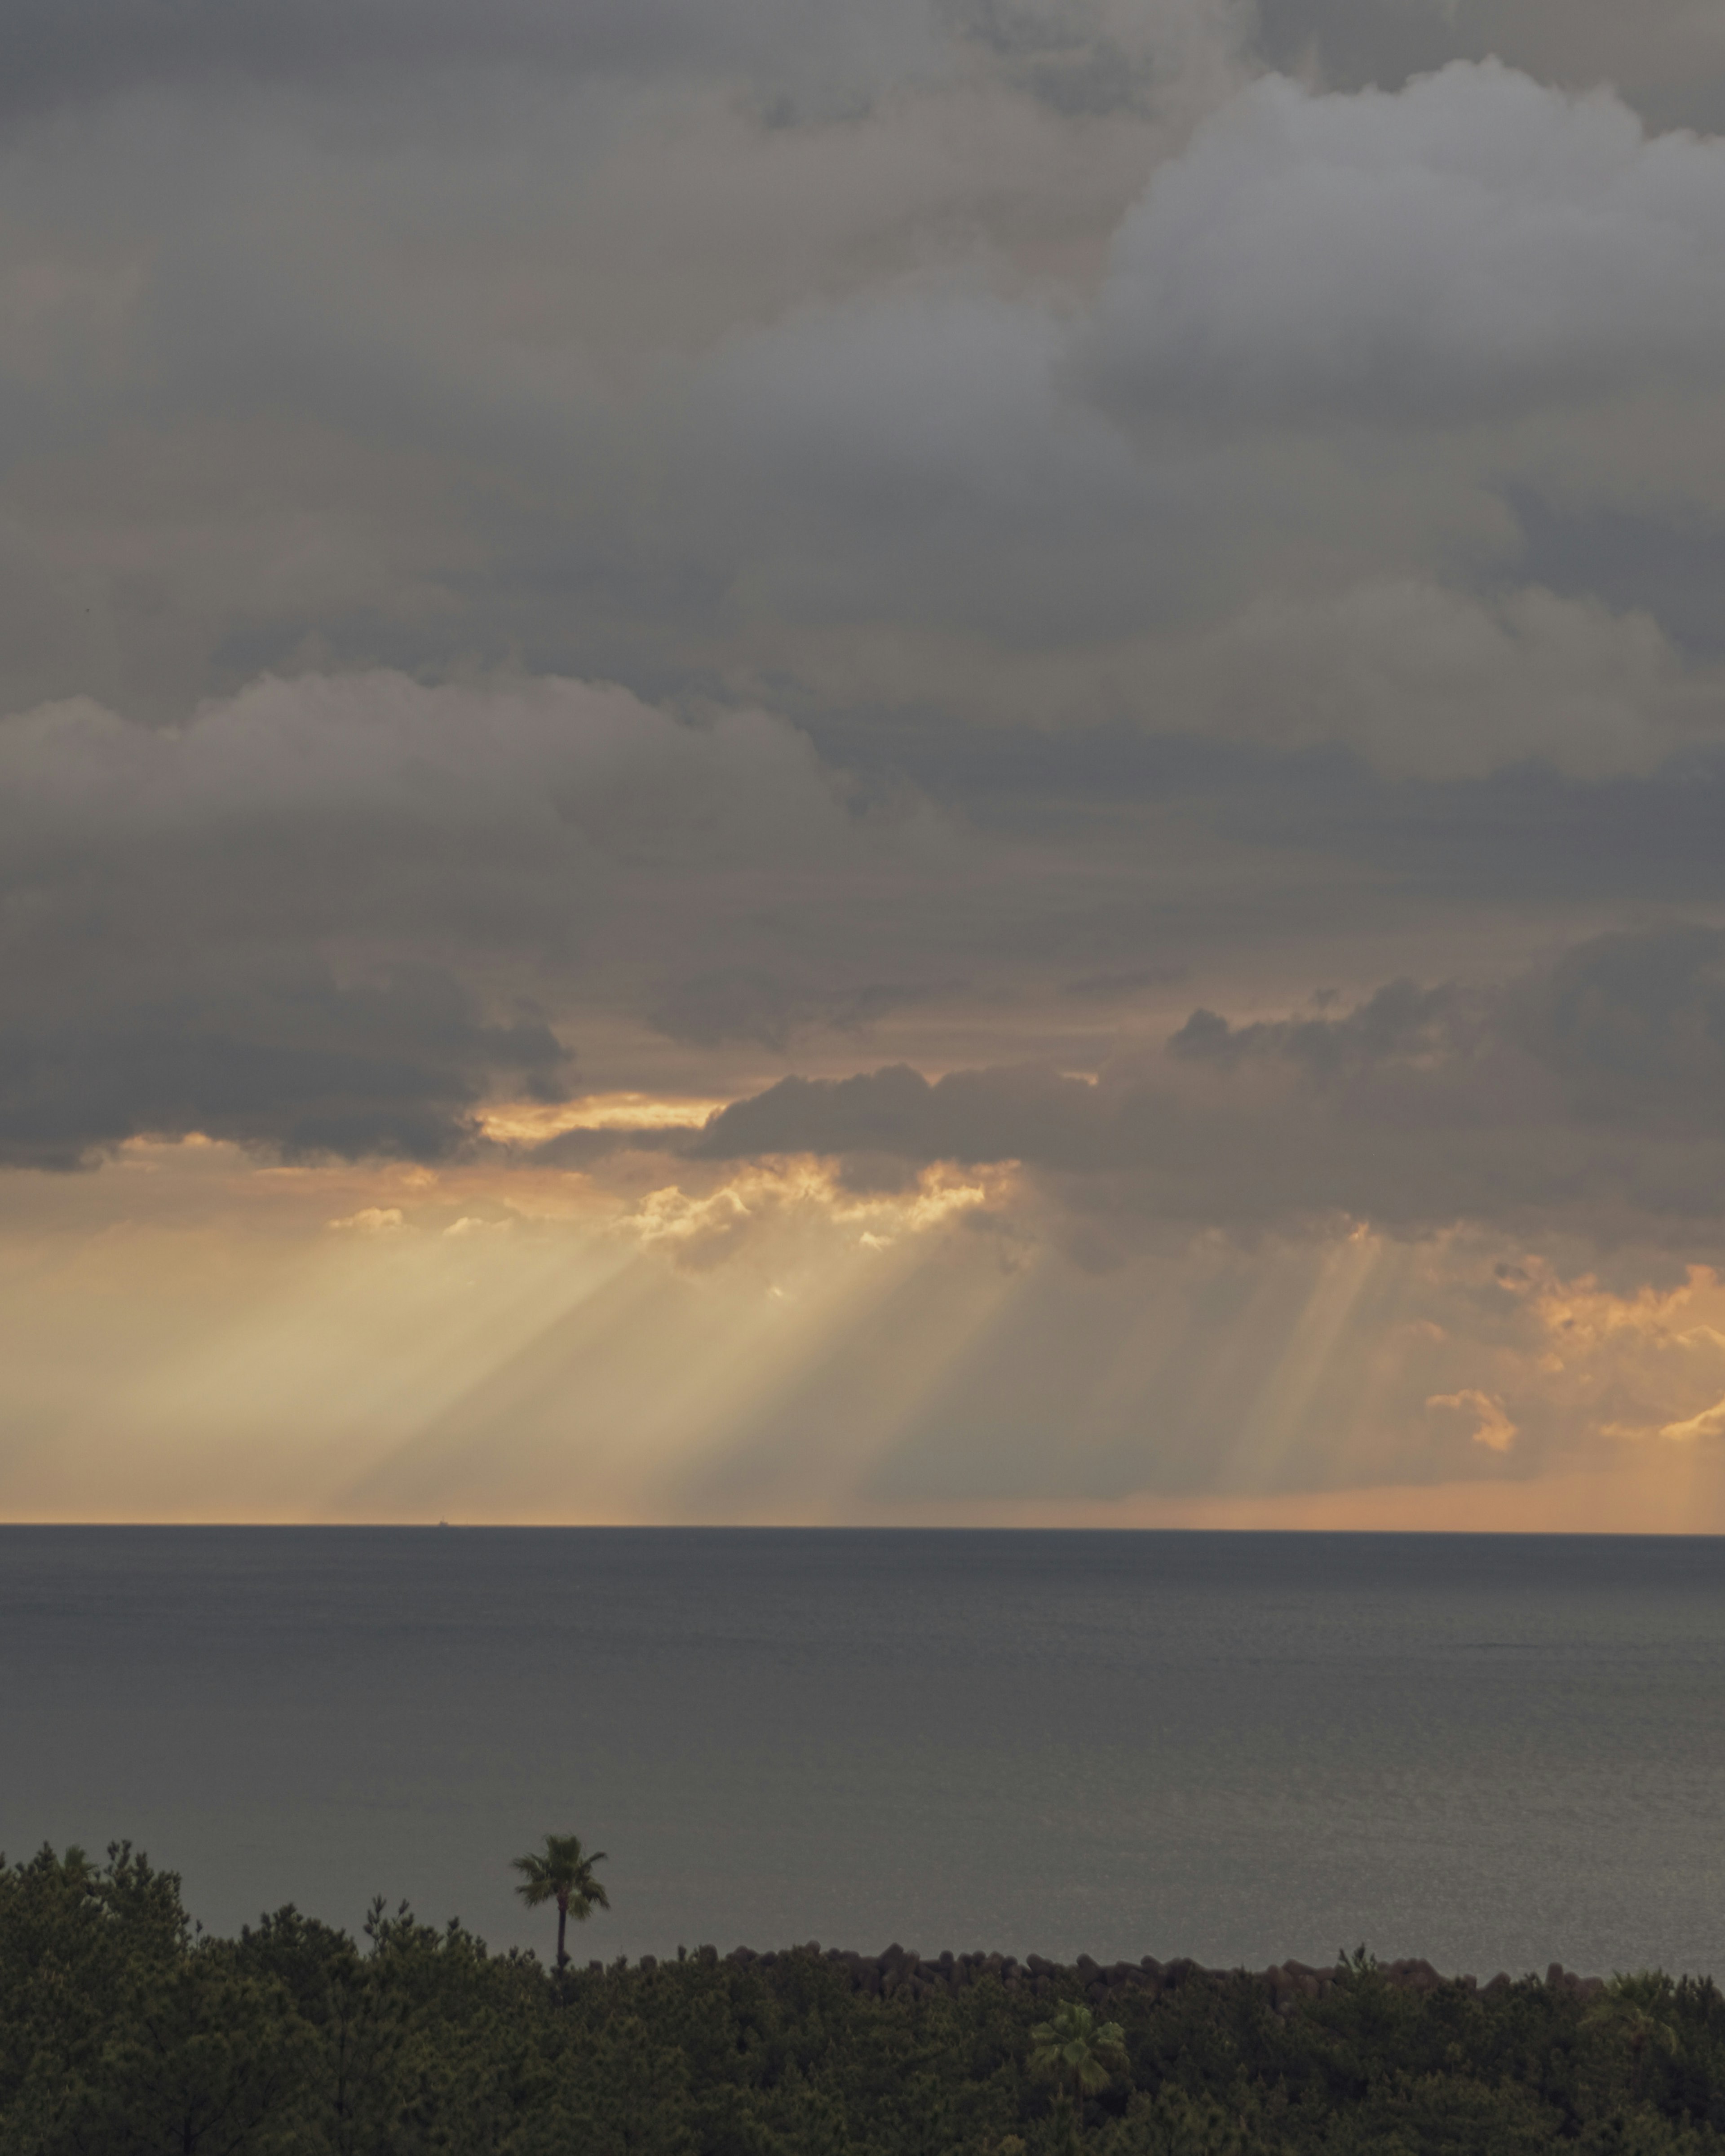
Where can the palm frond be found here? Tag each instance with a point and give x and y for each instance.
(562, 1873)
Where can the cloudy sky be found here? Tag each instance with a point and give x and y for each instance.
(951, 760)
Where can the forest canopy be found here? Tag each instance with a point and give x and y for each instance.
(126, 2031)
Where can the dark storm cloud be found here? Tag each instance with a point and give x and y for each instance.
(326, 914)
(1509, 838)
(1629, 1027)
(290, 1060)
(1515, 835)
(1081, 516)
(315, 920)
(1634, 1027)
(1401, 1021)
(1589, 1092)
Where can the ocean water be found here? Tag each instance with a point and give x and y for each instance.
(1493, 1751)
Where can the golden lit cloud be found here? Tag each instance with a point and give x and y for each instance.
(1710, 1423)
(1645, 1363)
(1492, 1427)
(702, 1227)
(532, 1122)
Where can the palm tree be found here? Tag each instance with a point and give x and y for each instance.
(1625, 2014)
(563, 1875)
(1078, 2054)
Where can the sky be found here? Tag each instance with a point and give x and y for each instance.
(953, 762)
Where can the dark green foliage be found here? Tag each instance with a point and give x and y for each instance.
(125, 2032)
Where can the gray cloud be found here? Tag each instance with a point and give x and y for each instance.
(310, 918)
(1399, 1023)
(750, 1004)
(286, 1059)
(1590, 1092)
(1072, 520)
(89, 49)
(1395, 318)
(293, 861)
(1071, 72)
(1478, 242)
(889, 410)
(1110, 988)
(1666, 57)
(1634, 1024)
(1668, 567)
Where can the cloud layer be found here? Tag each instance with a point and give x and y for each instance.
(1584, 1096)
(1024, 696)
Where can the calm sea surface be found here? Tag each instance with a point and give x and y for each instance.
(1492, 1751)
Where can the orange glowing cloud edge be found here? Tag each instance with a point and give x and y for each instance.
(532, 1122)
(1663, 1471)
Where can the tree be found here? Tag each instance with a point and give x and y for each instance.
(1078, 2054)
(562, 1875)
(1627, 2013)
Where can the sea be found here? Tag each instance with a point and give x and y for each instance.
(1495, 1752)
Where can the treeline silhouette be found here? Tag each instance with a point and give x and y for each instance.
(125, 2030)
